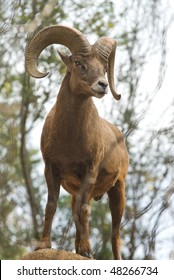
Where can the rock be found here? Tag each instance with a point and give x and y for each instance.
(52, 254)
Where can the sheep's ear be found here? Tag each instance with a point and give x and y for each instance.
(65, 58)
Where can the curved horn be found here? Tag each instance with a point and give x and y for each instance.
(55, 34)
(107, 47)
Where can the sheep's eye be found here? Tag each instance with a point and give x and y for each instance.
(77, 63)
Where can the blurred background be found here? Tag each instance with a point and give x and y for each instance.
(144, 30)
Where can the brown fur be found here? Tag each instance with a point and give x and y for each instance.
(83, 152)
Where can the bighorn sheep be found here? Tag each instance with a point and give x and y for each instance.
(82, 152)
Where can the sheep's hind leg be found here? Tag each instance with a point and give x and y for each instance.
(116, 203)
(53, 184)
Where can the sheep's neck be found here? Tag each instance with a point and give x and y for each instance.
(76, 115)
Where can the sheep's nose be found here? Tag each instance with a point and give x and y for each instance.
(103, 84)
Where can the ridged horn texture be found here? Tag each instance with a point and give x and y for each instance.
(107, 48)
(73, 39)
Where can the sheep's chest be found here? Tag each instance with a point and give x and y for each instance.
(71, 175)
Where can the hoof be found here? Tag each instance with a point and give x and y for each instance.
(83, 248)
(85, 253)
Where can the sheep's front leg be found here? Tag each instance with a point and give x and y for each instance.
(53, 184)
(80, 208)
(116, 203)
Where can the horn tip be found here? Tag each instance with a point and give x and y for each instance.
(118, 96)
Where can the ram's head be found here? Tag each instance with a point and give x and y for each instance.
(89, 63)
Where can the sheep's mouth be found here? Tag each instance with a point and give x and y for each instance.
(99, 94)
